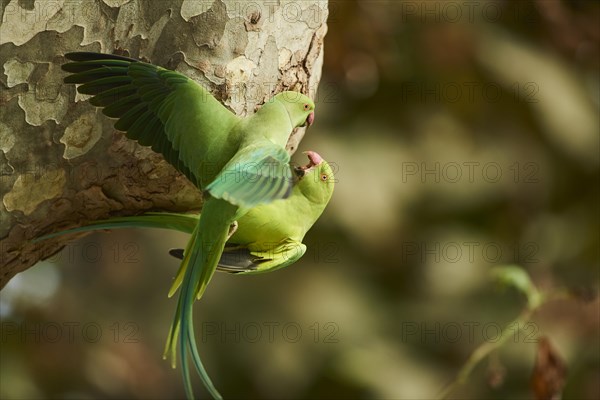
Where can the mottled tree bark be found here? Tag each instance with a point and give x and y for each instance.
(63, 164)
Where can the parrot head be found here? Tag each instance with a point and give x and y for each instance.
(316, 179)
(300, 108)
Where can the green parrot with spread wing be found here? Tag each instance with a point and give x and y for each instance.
(268, 236)
(239, 163)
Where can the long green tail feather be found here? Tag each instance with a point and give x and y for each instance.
(199, 366)
(179, 222)
(186, 323)
(200, 261)
(171, 344)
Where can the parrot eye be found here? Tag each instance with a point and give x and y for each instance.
(324, 177)
(306, 107)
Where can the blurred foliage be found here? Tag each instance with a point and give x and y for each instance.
(465, 135)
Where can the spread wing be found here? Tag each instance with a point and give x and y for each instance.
(259, 173)
(155, 106)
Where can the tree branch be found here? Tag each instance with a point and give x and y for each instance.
(63, 164)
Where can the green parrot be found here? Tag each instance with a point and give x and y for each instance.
(268, 236)
(237, 162)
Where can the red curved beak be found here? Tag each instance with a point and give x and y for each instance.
(314, 158)
(310, 119)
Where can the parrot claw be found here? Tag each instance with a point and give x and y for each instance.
(232, 228)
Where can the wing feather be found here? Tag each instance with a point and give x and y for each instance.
(257, 174)
(240, 260)
(144, 98)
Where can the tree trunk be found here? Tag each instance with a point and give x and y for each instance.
(62, 162)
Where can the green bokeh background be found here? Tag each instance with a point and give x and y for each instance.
(465, 135)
